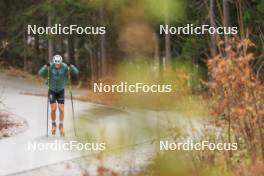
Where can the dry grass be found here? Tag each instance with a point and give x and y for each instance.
(100, 98)
(11, 71)
(4, 122)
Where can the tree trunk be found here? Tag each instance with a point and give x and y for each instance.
(226, 19)
(91, 63)
(70, 49)
(167, 39)
(25, 52)
(50, 42)
(102, 46)
(36, 45)
(156, 55)
(98, 65)
(70, 46)
(213, 47)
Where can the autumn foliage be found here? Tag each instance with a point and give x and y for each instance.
(237, 97)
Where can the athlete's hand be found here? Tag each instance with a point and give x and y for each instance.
(68, 64)
(48, 64)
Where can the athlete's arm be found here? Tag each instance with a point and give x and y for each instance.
(44, 70)
(74, 70)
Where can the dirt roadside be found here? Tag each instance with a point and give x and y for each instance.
(10, 124)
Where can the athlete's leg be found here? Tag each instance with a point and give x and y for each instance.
(53, 105)
(60, 100)
(53, 118)
(61, 127)
(53, 108)
(61, 109)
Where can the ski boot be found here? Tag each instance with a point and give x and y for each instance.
(53, 129)
(61, 128)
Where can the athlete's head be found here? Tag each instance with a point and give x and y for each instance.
(57, 60)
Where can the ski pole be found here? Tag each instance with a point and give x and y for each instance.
(47, 133)
(70, 89)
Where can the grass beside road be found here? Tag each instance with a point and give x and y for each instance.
(11, 71)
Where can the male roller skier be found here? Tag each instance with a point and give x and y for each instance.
(58, 74)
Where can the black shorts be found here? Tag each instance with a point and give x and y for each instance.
(56, 97)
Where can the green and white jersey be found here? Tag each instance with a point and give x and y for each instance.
(57, 77)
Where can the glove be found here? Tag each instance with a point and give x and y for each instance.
(48, 64)
(68, 64)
